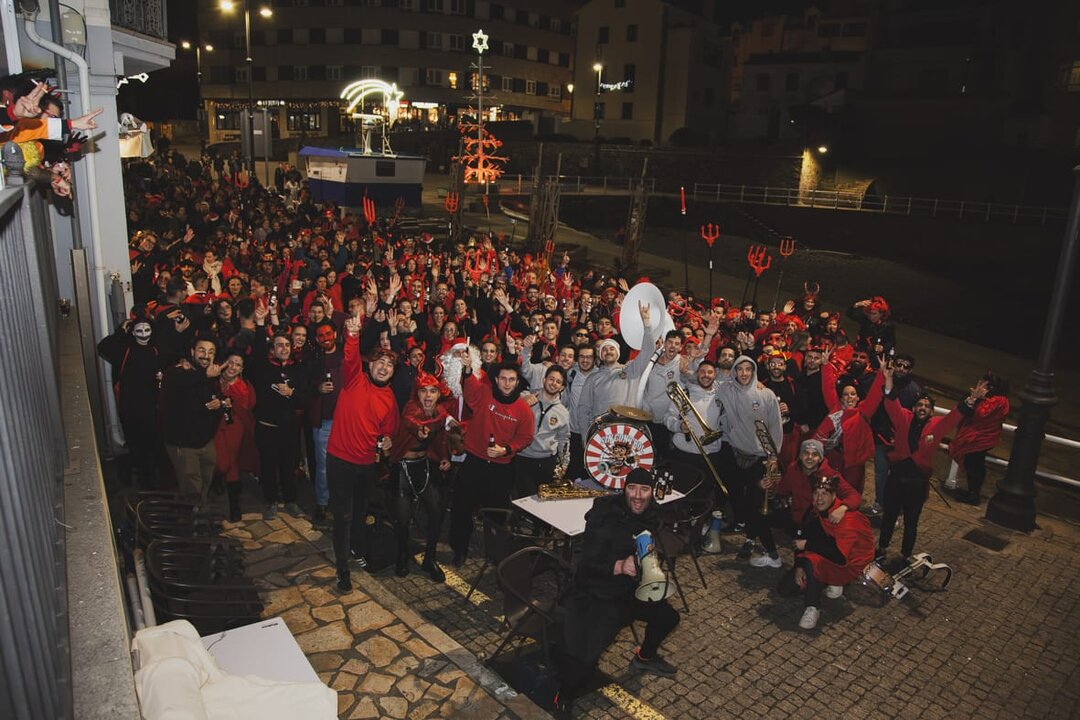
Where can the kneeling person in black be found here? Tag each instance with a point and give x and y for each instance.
(603, 601)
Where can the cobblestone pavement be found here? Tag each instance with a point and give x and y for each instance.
(1000, 642)
(382, 658)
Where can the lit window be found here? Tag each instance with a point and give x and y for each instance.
(452, 79)
(530, 87)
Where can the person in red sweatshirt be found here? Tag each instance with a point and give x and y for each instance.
(828, 553)
(500, 428)
(979, 434)
(917, 435)
(846, 431)
(365, 420)
(798, 483)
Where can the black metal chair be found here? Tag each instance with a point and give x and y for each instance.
(502, 534)
(533, 581)
(682, 521)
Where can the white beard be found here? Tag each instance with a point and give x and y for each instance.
(452, 366)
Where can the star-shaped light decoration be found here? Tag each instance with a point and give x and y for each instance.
(479, 41)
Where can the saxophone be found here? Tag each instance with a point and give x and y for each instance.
(772, 463)
(561, 488)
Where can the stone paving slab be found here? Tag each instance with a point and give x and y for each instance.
(1000, 641)
(383, 659)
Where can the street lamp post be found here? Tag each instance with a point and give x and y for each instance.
(201, 115)
(1013, 505)
(597, 67)
(265, 11)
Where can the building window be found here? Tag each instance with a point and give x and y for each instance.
(763, 82)
(317, 36)
(434, 5)
(258, 38)
(228, 120)
(284, 36)
(451, 78)
(284, 72)
(389, 37)
(791, 82)
(456, 43)
(495, 12)
(300, 72)
(602, 34)
(530, 87)
(241, 75)
(543, 56)
(1069, 77)
(221, 74)
(434, 40)
(564, 59)
(352, 36)
(316, 72)
(629, 73)
(457, 7)
(555, 91)
(297, 120)
(433, 77)
(628, 111)
(369, 72)
(258, 73)
(333, 72)
(631, 33)
(507, 84)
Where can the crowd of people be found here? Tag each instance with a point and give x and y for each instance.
(278, 339)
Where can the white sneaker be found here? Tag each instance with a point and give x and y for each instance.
(809, 618)
(950, 483)
(767, 560)
(834, 591)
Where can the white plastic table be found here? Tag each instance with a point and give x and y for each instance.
(265, 648)
(568, 516)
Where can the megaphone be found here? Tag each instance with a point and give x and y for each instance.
(630, 325)
(654, 585)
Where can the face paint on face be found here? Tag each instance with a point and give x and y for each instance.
(142, 332)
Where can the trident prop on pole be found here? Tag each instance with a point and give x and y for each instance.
(709, 233)
(759, 260)
(369, 211)
(451, 205)
(685, 256)
(787, 249)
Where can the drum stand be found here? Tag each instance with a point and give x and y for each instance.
(893, 585)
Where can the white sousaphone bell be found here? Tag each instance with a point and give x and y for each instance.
(653, 585)
(630, 325)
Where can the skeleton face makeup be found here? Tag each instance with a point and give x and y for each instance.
(142, 332)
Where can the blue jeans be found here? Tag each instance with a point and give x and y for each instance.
(322, 437)
(881, 472)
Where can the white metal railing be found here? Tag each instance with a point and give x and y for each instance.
(1052, 439)
(890, 204)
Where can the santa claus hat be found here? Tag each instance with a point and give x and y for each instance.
(459, 344)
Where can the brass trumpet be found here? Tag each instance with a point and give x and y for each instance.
(772, 463)
(685, 408)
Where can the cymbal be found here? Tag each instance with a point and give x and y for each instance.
(632, 413)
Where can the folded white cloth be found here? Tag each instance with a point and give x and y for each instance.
(178, 679)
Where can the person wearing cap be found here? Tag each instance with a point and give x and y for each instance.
(603, 600)
(918, 434)
(550, 447)
(365, 419)
(613, 383)
(744, 404)
(826, 553)
(798, 484)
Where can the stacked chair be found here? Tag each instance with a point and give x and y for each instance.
(193, 572)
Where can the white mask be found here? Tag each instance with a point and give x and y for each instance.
(142, 332)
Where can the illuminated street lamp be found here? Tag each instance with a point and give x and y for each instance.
(229, 6)
(598, 68)
(186, 45)
(823, 149)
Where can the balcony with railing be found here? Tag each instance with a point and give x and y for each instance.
(146, 17)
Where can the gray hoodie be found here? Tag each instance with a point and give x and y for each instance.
(742, 405)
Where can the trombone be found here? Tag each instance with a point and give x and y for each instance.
(772, 467)
(685, 408)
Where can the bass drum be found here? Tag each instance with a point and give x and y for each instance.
(617, 442)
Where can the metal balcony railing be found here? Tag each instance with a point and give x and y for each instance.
(148, 17)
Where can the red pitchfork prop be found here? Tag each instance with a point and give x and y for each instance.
(399, 205)
(369, 210)
(710, 233)
(759, 260)
(787, 249)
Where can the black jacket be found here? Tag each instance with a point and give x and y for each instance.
(271, 406)
(184, 396)
(610, 528)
